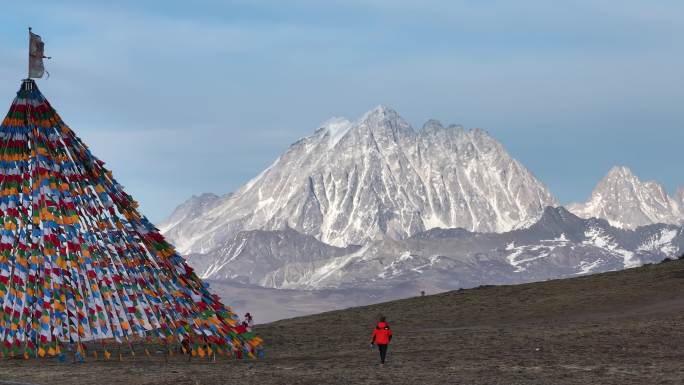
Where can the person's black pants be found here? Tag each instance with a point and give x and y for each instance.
(383, 352)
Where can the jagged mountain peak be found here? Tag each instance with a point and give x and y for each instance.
(432, 125)
(617, 172)
(383, 115)
(480, 133)
(623, 177)
(628, 202)
(384, 122)
(381, 111)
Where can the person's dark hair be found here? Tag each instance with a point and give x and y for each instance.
(382, 319)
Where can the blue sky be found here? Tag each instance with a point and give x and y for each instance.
(181, 98)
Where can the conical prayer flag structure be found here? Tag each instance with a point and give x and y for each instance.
(79, 263)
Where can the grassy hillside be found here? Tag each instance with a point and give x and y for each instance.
(623, 327)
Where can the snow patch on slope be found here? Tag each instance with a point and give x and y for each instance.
(337, 129)
(332, 268)
(661, 242)
(520, 255)
(587, 267)
(597, 237)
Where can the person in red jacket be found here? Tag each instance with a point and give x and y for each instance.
(382, 335)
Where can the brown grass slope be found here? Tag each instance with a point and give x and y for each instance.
(622, 327)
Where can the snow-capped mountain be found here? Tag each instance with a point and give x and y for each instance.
(559, 245)
(355, 182)
(627, 202)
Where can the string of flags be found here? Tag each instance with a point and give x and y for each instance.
(80, 265)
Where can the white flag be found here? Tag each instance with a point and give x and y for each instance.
(36, 56)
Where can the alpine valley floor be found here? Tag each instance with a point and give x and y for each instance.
(622, 327)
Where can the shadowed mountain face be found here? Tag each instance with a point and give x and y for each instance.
(251, 255)
(355, 182)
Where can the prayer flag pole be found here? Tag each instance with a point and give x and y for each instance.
(28, 73)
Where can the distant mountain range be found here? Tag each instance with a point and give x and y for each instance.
(381, 211)
(559, 245)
